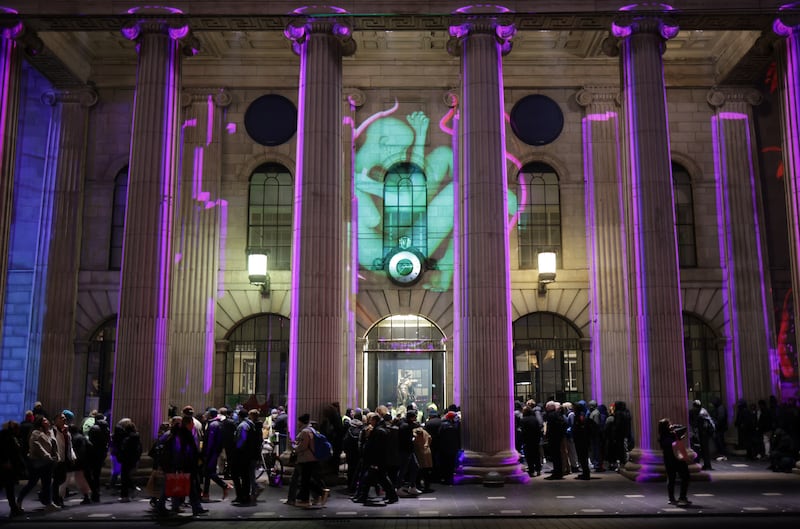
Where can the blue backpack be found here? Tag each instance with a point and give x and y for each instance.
(322, 447)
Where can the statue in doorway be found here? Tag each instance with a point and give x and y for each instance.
(405, 387)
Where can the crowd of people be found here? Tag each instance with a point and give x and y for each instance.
(395, 453)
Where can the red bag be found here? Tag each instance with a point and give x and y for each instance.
(177, 485)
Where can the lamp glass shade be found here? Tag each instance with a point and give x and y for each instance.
(547, 267)
(257, 268)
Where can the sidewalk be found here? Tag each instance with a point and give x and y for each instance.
(736, 488)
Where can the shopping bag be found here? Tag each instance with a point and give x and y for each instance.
(177, 485)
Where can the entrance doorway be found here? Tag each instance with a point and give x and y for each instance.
(404, 363)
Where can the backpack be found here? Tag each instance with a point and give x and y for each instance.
(99, 436)
(322, 447)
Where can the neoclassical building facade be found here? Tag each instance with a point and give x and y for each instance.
(408, 175)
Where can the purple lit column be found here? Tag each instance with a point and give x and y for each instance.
(484, 314)
(10, 62)
(750, 349)
(657, 355)
(612, 375)
(788, 26)
(142, 325)
(62, 212)
(318, 322)
(197, 250)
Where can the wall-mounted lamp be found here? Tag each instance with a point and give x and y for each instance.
(257, 270)
(547, 270)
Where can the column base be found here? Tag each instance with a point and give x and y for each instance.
(645, 465)
(491, 470)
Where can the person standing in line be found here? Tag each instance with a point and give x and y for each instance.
(555, 428)
(309, 466)
(42, 456)
(212, 448)
(719, 414)
(12, 463)
(668, 435)
(97, 450)
(130, 450)
(703, 431)
(531, 436)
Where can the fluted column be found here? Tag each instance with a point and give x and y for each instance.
(10, 63)
(145, 287)
(788, 26)
(750, 348)
(612, 375)
(484, 315)
(319, 297)
(658, 357)
(197, 251)
(62, 213)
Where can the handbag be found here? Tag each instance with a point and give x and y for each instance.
(177, 485)
(679, 450)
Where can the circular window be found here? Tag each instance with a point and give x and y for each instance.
(537, 119)
(271, 120)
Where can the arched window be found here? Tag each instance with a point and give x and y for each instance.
(118, 219)
(700, 347)
(405, 212)
(100, 366)
(269, 226)
(547, 359)
(684, 216)
(257, 360)
(539, 227)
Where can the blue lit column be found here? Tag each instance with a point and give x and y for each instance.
(142, 325)
(612, 376)
(484, 314)
(62, 213)
(788, 26)
(319, 301)
(750, 355)
(657, 355)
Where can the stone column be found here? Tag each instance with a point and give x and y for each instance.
(658, 356)
(750, 350)
(197, 251)
(484, 316)
(606, 241)
(788, 26)
(10, 63)
(142, 325)
(319, 297)
(62, 213)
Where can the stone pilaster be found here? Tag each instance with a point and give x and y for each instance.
(788, 27)
(192, 346)
(319, 297)
(606, 238)
(750, 348)
(483, 316)
(62, 213)
(140, 377)
(657, 356)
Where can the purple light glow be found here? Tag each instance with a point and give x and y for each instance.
(456, 262)
(231, 128)
(482, 9)
(155, 10)
(223, 240)
(208, 378)
(591, 234)
(647, 6)
(319, 10)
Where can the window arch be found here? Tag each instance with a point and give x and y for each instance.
(100, 366)
(539, 226)
(405, 211)
(547, 359)
(269, 213)
(702, 355)
(118, 219)
(257, 360)
(684, 216)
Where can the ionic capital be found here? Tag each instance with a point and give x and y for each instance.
(719, 96)
(299, 32)
(598, 95)
(85, 97)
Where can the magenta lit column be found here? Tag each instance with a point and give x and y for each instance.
(484, 315)
(788, 26)
(319, 297)
(142, 323)
(10, 62)
(62, 211)
(657, 355)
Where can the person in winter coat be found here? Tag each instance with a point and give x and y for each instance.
(352, 450)
(667, 435)
(12, 463)
(309, 466)
(555, 429)
(582, 428)
(531, 435)
(41, 458)
(99, 436)
(422, 449)
(128, 455)
(180, 454)
(212, 449)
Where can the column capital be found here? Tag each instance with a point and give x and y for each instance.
(355, 97)
(14, 29)
(788, 21)
(299, 31)
(592, 95)
(220, 96)
(719, 96)
(645, 18)
(177, 29)
(85, 97)
(501, 29)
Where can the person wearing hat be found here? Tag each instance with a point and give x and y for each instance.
(702, 432)
(449, 445)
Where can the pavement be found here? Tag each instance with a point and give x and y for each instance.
(743, 492)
